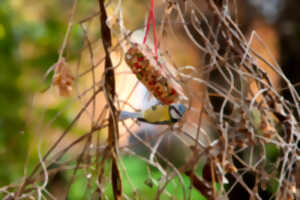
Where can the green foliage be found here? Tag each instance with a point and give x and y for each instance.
(29, 44)
(26, 48)
(139, 181)
(272, 152)
(60, 119)
(11, 99)
(138, 174)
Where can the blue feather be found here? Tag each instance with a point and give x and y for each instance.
(126, 115)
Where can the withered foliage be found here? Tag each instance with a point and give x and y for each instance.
(63, 78)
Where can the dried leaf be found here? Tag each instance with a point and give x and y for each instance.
(63, 77)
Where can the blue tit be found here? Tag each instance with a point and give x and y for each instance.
(157, 114)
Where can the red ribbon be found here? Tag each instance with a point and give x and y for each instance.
(151, 17)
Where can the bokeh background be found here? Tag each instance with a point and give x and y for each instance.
(31, 33)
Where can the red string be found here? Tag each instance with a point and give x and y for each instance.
(151, 17)
(148, 27)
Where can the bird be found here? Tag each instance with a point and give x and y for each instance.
(159, 114)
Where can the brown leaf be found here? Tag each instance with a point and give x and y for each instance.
(63, 77)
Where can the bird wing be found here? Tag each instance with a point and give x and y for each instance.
(126, 115)
(158, 114)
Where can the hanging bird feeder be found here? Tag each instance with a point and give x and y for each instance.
(147, 69)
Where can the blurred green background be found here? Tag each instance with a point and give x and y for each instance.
(28, 45)
(31, 33)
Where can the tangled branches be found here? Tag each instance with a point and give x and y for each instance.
(237, 125)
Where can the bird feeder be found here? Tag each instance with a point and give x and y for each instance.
(148, 70)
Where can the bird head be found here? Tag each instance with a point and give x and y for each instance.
(176, 111)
